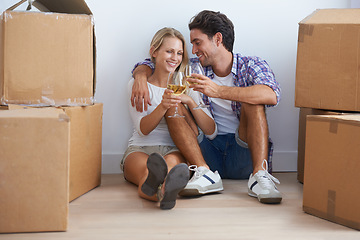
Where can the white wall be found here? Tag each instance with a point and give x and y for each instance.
(355, 4)
(265, 28)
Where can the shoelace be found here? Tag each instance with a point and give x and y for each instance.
(268, 180)
(195, 169)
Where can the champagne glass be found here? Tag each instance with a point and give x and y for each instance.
(195, 67)
(176, 82)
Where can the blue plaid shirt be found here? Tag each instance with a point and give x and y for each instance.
(246, 71)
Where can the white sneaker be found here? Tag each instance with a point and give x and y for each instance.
(202, 182)
(262, 186)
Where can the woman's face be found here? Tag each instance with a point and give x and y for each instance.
(169, 56)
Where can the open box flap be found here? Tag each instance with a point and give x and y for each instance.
(59, 6)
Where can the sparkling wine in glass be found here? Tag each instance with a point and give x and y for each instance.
(195, 67)
(176, 82)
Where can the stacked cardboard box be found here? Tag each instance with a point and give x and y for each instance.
(327, 68)
(50, 154)
(331, 181)
(34, 186)
(327, 90)
(48, 59)
(304, 112)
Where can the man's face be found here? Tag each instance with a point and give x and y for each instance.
(203, 47)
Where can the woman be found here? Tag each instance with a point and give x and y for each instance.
(152, 161)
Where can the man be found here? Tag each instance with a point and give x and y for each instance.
(238, 89)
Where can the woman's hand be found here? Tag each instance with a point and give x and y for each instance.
(185, 99)
(170, 100)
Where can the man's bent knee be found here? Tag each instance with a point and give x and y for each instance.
(250, 113)
(250, 108)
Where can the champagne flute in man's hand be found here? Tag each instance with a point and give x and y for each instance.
(195, 67)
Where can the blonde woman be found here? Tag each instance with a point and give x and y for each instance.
(152, 161)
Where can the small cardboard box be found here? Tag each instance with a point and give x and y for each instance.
(34, 170)
(48, 58)
(328, 59)
(331, 180)
(304, 112)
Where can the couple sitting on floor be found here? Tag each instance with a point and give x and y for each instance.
(229, 139)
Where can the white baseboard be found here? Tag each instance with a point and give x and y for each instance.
(111, 163)
(282, 162)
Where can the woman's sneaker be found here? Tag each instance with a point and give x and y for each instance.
(262, 186)
(202, 182)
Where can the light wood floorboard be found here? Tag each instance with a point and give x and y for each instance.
(114, 211)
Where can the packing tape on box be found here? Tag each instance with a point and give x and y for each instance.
(331, 203)
(333, 127)
(330, 213)
(305, 30)
(64, 118)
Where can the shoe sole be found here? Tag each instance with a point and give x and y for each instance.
(157, 172)
(197, 192)
(272, 199)
(175, 181)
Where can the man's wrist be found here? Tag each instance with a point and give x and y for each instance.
(220, 91)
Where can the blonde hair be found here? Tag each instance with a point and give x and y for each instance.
(158, 39)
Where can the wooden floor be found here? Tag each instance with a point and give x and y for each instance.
(114, 211)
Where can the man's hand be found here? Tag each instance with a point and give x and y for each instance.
(256, 94)
(204, 85)
(140, 92)
(140, 96)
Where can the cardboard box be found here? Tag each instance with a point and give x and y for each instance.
(328, 59)
(331, 180)
(48, 58)
(34, 170)
(85, 148)
(35, 187)
(303, 113)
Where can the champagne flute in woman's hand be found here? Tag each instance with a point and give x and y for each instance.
(176, 82)
(195, 67)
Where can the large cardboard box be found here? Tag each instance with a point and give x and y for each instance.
(303, 113)
(48, 58)
(34, 170)
(331, 181)
(328, 59)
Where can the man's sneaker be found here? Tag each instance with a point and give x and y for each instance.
(202, 182)
(262, 186)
